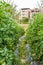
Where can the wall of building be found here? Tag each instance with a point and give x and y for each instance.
(28, 13)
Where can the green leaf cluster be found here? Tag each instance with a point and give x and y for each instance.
(34, 37)
(10, 32)
(9, 8)
(24, 20)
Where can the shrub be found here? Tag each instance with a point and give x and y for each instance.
(9, 8)
(10, 32)
(24, 20)
(35, 37)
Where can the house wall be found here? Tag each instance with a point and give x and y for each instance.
(28, 13)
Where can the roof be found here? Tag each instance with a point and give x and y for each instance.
(35, 10)
(25, 8)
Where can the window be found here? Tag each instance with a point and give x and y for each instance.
(23, 11)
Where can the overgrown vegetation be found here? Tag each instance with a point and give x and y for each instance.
(10, 32)
(24, 20)
(11, 9)
(35, 38)
(23, 51)
(11, 52)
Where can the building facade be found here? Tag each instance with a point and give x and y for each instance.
(34, 11)
(41, 6)
(28, 13)
(24, 13)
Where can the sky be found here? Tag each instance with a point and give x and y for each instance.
(26, 3)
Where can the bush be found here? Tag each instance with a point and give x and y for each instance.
(10, 32)
(35, 37)
(9, 8)
(24, 20)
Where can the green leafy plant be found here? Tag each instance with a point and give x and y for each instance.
(10, 32)
(24, 20)
(34, 37)
(23, 51)
(10, 8)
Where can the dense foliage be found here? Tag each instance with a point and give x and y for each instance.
(35, 37)
(10, 32)
(10, 8)
(24, 20)
(23, 51)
